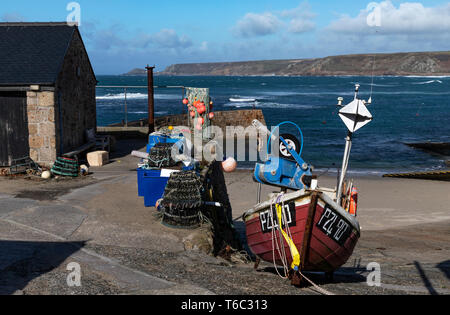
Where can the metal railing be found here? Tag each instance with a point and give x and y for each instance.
(126, 87)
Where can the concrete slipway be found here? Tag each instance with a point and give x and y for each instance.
(99, 223)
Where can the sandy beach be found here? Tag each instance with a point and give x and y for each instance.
(122, 248)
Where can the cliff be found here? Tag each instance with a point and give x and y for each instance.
(136, 71)
(403, 64)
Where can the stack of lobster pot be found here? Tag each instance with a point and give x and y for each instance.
(161, 156)
(183, 200)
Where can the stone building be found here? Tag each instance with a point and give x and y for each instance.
(47, 91)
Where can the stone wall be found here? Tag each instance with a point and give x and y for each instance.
(41, 126)
(222, 119)
(57, 120)
(75, 94)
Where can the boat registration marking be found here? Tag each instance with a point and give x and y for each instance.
(334, 226)
(268, 222)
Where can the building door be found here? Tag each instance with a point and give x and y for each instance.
(13, 127)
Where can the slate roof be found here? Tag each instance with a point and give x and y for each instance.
(33, 53)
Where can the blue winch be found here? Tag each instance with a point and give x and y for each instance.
(287, 170)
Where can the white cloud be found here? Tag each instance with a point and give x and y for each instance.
(301, 18)
(407, 18)
(204, 46)
(299, 26)
(253, 24)
(117, 36)
(297, 20)
(404, 27)
(168, 38)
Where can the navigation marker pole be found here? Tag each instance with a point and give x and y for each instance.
(355, 115)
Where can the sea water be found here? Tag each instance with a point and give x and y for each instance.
(405, 110)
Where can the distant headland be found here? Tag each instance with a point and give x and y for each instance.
(401, 64)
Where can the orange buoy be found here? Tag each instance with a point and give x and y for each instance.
(211, 115)
(201, 109)
(192, 114)
(200, 121)
(353, 206)
(229, 165)
(185, 101)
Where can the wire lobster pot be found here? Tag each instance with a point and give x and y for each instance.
(182, 204)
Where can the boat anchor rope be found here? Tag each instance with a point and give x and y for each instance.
(278, 202)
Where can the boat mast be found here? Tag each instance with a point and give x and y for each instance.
(345, 160)
(355, 115)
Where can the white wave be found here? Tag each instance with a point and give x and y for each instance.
(271, 105)
(410, 93)
(429, 82)
(318, 93)
(296, 106)
(121, 96)
(383, 85)
(241, 104)
(376, 84)
(425, 76)
(242, 100)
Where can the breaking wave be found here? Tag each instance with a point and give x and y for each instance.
(430, 82)
(270, 105)
(121, 96)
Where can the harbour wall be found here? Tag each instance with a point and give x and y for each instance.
(222, 119)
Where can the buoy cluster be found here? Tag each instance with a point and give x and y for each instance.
(199, 112)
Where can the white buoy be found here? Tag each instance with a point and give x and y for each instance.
(84, 169)
(46, 175)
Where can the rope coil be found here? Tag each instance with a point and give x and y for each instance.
(279, 247)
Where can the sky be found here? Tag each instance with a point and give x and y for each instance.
(124, 34)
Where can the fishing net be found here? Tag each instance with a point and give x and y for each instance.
(187, 204)
(202, 95)
(183, 200)
(161, 156)
(225, 234)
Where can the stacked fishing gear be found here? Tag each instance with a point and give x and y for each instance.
(161, 156)
(183, 200)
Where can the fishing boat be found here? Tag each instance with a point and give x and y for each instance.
(323, 232)
(312, 228)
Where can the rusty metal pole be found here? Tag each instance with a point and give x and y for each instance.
(151, 100)
(126, 108)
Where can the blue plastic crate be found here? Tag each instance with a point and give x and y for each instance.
(155, 139)
(153, 186)
(140, 178)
